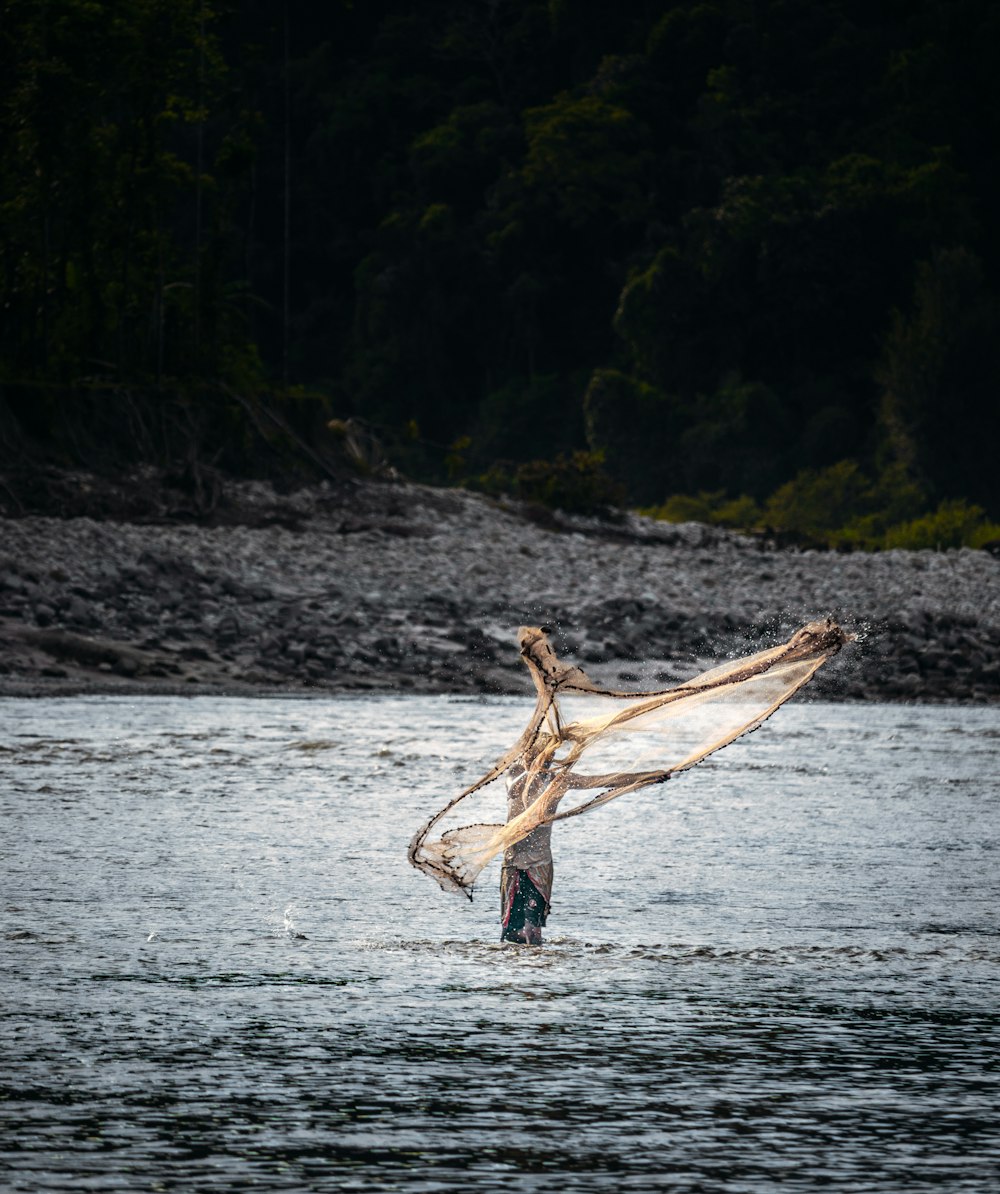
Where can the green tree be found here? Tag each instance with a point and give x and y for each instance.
(112, 259)
(940, 371)
(636, 429)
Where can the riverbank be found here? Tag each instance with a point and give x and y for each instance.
(394, 586)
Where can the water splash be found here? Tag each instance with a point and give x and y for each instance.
(289, 926)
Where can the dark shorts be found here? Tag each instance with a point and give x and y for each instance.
(525, 905)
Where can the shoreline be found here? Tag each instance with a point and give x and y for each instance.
(397, 587)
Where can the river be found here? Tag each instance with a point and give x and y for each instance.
(219, 972)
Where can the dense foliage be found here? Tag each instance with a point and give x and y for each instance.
(713, 243)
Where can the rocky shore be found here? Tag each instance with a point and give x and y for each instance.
(398, 587)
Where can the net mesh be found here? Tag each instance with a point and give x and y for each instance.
(623, 742)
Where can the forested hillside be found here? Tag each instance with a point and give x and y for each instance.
(736, 248)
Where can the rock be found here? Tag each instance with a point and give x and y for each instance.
(45, 615)
(99, 653)
(908, 685)
(228, 629)
(79, 612)
(441, 605)
(194, 652)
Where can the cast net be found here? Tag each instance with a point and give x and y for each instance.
(586, 745)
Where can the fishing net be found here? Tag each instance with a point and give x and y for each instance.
(586, 745)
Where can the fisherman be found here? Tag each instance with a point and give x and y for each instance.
(526, 877)
(542, 765)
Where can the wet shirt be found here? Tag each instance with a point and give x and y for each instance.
(534, 852)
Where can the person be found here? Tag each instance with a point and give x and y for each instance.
(541, 766)
(527, 872)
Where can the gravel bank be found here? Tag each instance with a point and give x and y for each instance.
(402, 587)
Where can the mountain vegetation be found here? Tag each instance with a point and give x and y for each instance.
(735, 252)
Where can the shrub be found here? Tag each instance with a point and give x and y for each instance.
(842, 507)
(635, 427)
(684, 507)
(576, 483)
(742, 512)
(952, 524)
(498, 479)
(819, 502)
(715, 508)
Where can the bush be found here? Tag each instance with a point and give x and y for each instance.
(952, 524)
(576, 483)
(635, 427)
(842, 507)
(683, 507)
(742, 512)
(818, 503)
(714, 508)
(497, 480)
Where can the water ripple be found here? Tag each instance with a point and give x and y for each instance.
(220, 974)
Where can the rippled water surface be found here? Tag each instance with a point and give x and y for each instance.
(219, 971)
